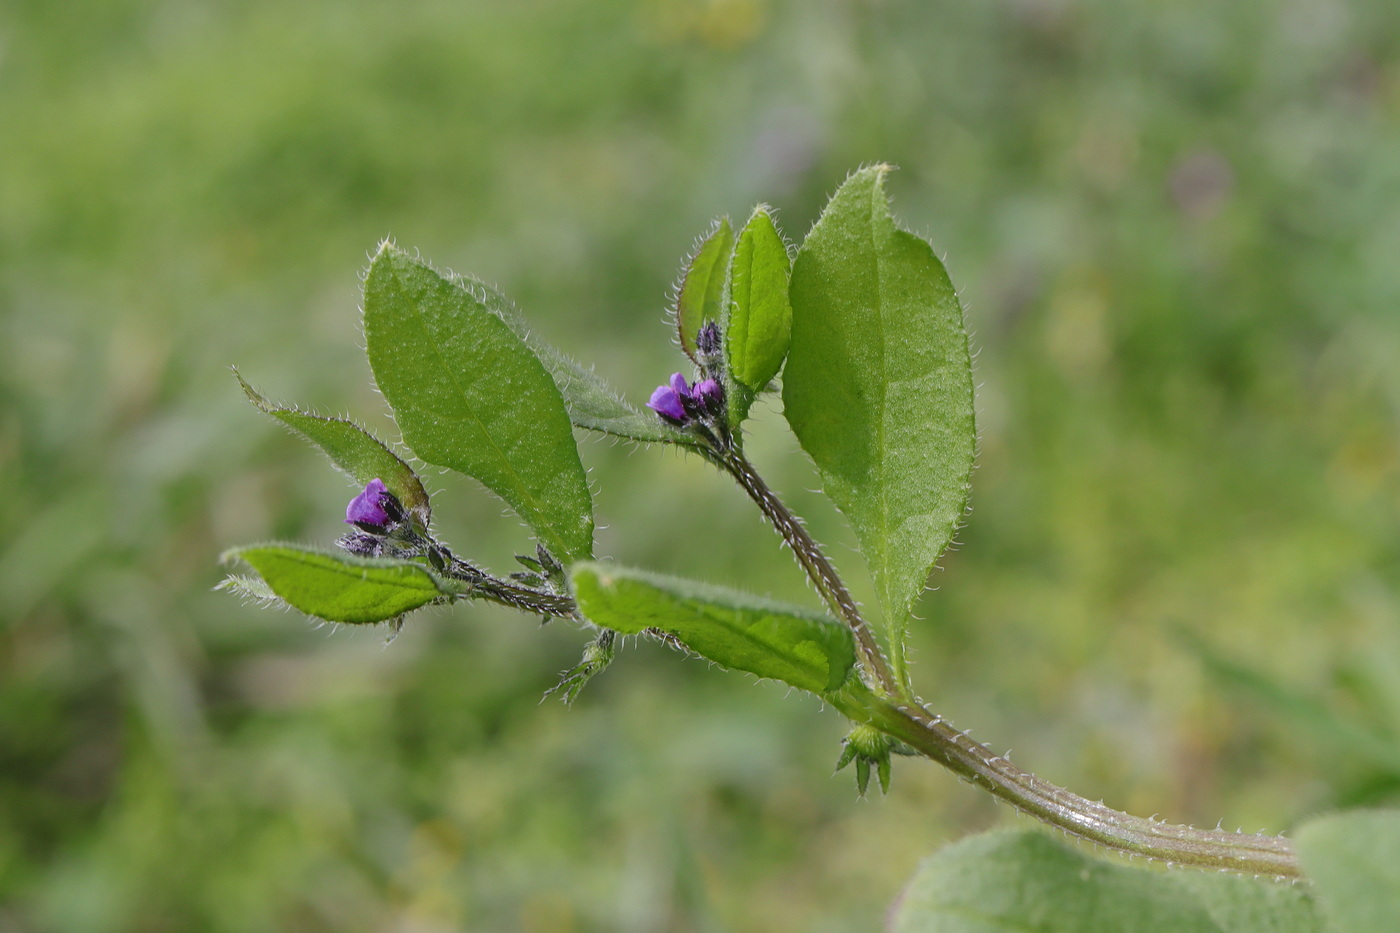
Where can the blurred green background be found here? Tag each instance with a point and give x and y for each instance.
(1176, 229)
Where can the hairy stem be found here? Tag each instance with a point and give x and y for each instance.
(900, 716)
(506, 592)
(909, 722)
(819, 570)
(927, 733)
(884, 705)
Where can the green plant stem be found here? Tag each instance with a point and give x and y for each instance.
(909, 722)
(891, 709)
(819, 570)
(886, 707)
(927, 733)
(527, 599)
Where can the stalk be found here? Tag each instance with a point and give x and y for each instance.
(885, 703)
(878, 699)
(814, 561)
(935, 739)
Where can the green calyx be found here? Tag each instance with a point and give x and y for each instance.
(867, 746)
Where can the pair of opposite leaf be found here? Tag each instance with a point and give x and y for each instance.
(877, 387)
(733, 316)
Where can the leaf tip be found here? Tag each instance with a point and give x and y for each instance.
(688, 310)
(878, 169)
(257, 398)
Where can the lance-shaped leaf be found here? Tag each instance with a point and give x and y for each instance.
(340, 587)
(1028, 881)
(700, 297)
(591, 402)
(878, 387)
(353, 450)
(1353, 861)
(468, 394)
(732, 629)
(758, 326)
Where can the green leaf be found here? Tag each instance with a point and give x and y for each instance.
(1353, 860)
(700, 297)
(353, 450)
(732, 629)
(759, 325)
(468, 394)
(878, 388)
(1025, 881)
(1249, 905)
(341, 587)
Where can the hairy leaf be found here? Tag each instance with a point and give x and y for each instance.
(1027, 881)
(353, 450)
(1250, 905)
(732, 629)
(758, 328)
(700, 297)
(340, 587)
(878, 387)
(1353, 860)
(468, 394)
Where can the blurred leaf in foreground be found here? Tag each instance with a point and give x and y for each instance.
(1353, 860)
(1028, 881)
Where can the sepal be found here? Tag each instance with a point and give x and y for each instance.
(597, 655)
(868, 747)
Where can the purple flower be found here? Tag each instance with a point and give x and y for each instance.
(709, 395)
(666, 403)
(677, 403)
(371, 509)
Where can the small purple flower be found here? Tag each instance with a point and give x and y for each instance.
(371, 509)
(709, 394)
(679, 402)
(666, 403)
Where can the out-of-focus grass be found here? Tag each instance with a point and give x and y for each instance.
(1176, 230)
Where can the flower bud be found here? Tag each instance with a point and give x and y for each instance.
(709, 395)
(375, 509)
(709, 346)
(361, 544)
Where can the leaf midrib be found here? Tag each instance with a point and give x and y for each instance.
(415, 578)
(877, 203)
(735, 625)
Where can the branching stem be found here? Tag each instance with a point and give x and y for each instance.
(505, 592)
(889, 708)
(882, 703)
